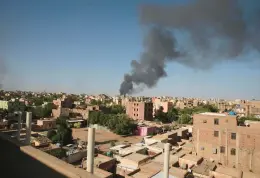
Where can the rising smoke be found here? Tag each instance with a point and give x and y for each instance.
(217, 29)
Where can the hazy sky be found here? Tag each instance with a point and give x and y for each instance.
(85, 46)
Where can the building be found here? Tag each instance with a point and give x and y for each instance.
(46, 124)
(164, 104)
(145, 130)
(218, 137)
(64, 102)
(140, 110)
(253, 108)
(61, 112)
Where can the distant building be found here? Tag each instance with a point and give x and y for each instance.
(253, 108)
(157, 103)
(64, 102)
(139, 110)
(218, 137)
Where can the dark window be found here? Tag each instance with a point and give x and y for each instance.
(136, 114)
(215, 133)
(233, 136)
(233, 151)
(216, 121)
(222, 149)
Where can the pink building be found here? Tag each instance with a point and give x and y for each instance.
(139, 110)
(157, 103)
(145, 130)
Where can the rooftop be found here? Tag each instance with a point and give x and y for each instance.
(204, 168)
(148, 170)
(136, 157)
(213, 114)
(229, 171)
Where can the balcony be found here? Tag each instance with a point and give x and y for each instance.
(18, 160)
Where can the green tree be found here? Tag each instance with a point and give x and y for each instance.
(46, 112)
(185, 119)
(96, 102)
(51, 133)
(160, 115)
(173, 114)
(117, 109)
(77, 125)
(64, 133)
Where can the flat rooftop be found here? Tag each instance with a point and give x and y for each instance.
(148, 170)
(136, 157)
(204, 168)
(213, 114)
(99, 159)
(191, 157)
(229, 171)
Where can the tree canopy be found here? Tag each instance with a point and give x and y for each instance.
(63, 134)
(119, 123)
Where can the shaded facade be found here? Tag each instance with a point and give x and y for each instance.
(140, 110)
(218, 137)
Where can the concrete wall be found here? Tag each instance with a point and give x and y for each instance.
(27, 161)
(208, 144)
(14, 163)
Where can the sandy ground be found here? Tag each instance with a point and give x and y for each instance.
(104, 138)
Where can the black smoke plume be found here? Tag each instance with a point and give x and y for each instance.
(217, 29)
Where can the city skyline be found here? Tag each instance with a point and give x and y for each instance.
(77, 48)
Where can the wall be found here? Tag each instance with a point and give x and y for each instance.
(76, 156)
(246, 143)
(27, 161)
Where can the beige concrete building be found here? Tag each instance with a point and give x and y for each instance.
(218, 137)
(140, 110)
(253, 108)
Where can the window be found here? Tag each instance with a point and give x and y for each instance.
(214, 150)
(216, 121)
(136, 109)
(233, 151)
(222, 149)
(136, 114)
(215, 133)
(233, 136)
(204, 121)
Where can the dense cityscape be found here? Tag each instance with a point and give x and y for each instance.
(207, 138)
(158, 81)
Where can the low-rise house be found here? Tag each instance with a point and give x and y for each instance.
(46, 124)
(145, 130)
(225, 172)
(133, 160)
(104, 163)
(189, 160)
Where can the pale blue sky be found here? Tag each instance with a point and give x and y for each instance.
(86, 46)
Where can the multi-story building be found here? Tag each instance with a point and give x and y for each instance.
(64, 102)
(157, 103)
(12, 105)
(140, 110)
(218, 137)
(253, 108)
